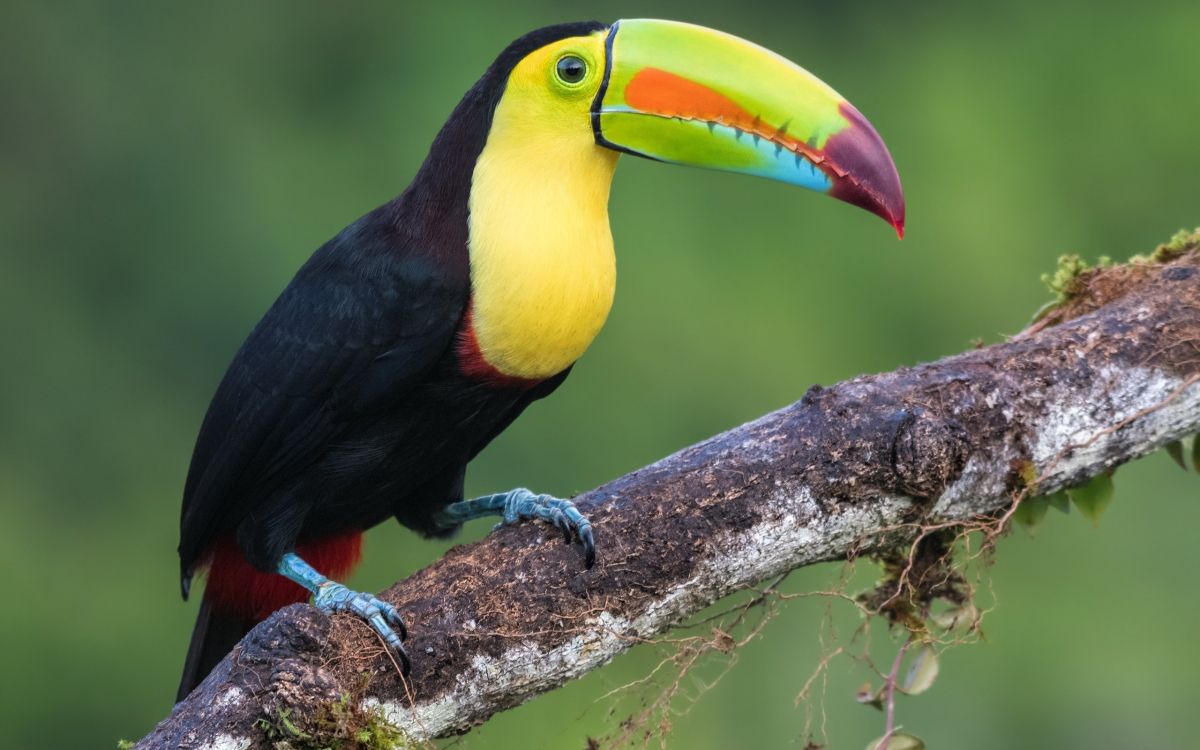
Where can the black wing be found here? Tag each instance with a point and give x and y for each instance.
(358, 325)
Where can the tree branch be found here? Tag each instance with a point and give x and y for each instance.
(1109, 376)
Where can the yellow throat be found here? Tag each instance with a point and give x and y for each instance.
(543, 271)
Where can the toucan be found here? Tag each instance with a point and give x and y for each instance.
(410, 340)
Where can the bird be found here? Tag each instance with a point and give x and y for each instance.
(412, 338)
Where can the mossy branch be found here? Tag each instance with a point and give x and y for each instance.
(1110, 374)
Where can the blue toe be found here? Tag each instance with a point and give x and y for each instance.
(383, 617)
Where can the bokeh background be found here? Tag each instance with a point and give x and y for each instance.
(165, 168)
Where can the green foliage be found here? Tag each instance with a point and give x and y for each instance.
(1031, 511)
(1185, 452)
(1093, 497)
(1059, 501)
(922, 672)
(1175, 451)
(344, 725)
(279, 728)
(898, 741)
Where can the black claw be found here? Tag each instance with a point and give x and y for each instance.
(405, 662)
(589, 546)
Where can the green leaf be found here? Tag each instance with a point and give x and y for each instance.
(1059, 501)
(1031, 511)
(1195, 440)
(922, 672)
(291, 728)
(898, 741)
(1175, 451)
(1094, 497)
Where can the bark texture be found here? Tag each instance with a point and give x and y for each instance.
(1110, 375)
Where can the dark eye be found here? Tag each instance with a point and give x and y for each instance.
(571, 69)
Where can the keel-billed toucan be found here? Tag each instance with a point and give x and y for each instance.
(411, 339)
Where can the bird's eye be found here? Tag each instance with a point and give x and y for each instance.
(571, 69)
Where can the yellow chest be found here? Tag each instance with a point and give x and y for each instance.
(543, 271)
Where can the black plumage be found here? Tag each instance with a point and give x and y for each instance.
(348, 402)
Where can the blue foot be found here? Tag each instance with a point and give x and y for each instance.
(521, 504)
(331, 596)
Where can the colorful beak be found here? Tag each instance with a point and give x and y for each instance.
(686, 94)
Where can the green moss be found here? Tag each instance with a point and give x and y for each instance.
(344, 725)
(1180, 243)
(1062, 282)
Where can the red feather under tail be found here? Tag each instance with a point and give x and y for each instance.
(235, 586)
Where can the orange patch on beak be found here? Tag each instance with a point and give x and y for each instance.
(660, 92)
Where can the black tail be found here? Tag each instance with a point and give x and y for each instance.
(214, 636)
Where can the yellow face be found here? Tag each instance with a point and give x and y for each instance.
(554, 87)
(543, 273)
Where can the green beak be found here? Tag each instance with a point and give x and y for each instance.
(686, 94)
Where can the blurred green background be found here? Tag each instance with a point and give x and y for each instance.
(165, 168)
